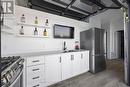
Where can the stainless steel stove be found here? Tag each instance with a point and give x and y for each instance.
(12, 70)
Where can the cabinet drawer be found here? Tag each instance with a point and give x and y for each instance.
(36, 84)
(35, 78)
(35, 74)
(38, 69)
(35, 60)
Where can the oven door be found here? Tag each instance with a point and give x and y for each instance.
(18, 81)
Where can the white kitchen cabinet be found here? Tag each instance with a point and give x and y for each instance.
(84, 61)
(75, 63)
(35, 75)
(52, 69)
(34, 71)
(36, 84)
(36, 60)
(66, 66)
(49, 69)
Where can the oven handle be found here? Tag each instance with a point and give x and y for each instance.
(16, 78)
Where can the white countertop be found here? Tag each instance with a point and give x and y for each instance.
(43, 53)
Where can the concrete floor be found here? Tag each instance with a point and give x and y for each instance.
(112, 77)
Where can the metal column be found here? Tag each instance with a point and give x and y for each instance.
(127, 46)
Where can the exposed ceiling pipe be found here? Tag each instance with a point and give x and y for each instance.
(113, 7)
(57, 9)
(71, 3)
(97, 3)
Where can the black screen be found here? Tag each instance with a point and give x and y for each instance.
(61, 31)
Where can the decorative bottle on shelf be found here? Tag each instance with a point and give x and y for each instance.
(21, 31)
(23, 18)
(45, 32)
(36, 20)
(46, 23)
(35, 31)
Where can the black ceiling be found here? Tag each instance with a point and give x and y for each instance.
(76, 9)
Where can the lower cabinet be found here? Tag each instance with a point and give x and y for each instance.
(35, 75)
(76, 63)
(84, 61)
(34, 71)
(52, 69)
(49, 69)
(66, 66)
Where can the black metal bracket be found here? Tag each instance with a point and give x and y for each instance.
(71, 3)
(117, 3)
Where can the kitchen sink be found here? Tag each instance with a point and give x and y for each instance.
(70, 51)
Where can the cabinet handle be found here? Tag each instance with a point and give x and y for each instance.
(81, 56)
(72, 57)
(35, 77)
(36, 85)
(35, 61)
(35, 69)
(60, 60)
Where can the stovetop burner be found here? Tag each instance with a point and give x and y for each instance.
(12, 67)
(7, 61)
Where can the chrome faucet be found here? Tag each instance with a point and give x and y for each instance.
(64, 46)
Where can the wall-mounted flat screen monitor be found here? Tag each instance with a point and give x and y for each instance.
(61, 31)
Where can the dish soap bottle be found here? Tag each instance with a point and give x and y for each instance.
(36, 20)
(76, 45)
(21, 32)
(46, 23)
(45, 32)
(23, 18)
(35, 31)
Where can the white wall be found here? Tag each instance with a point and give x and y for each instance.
(112, 21)
(12, 44)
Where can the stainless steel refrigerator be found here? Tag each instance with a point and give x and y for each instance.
(94, 40)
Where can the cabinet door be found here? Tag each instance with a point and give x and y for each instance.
(52, 69)
(66, 66)
(76, 63)
(84, 61)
